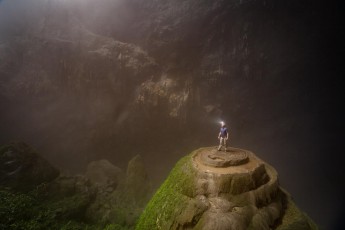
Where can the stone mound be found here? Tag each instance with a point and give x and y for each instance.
(210, 190)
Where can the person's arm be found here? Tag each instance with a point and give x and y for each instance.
(227, 134)
(219, 134)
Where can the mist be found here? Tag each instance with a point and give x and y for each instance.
(84, 80)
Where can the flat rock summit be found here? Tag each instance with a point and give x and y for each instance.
(213, 190)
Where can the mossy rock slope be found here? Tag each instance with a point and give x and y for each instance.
(198, 196)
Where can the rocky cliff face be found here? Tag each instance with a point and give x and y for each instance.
(210, 190)
(110, 70)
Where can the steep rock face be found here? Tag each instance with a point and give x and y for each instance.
(209, 51)
(74, 60)
(197, 195)
(68, 80)
(105, 71)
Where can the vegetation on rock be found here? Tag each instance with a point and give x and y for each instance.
(171, 198)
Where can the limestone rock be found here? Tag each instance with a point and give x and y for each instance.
(199, 196)
(66, 185)
(164, 92)
(22, 168)
(137, 181)
(124, 202)
(103, 173)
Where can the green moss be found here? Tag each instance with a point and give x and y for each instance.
(171, 198)
(14, 206)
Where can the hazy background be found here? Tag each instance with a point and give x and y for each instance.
(83, 80)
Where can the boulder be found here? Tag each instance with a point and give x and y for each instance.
(120, 196)
(104, 174)
(138, 186)
(22, 168)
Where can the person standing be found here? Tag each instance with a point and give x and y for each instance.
(223, 136)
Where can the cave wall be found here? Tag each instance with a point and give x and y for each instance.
(84, 80)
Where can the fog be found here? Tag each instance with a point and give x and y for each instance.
(84, 80)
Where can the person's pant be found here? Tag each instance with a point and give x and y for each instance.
(222, 142)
